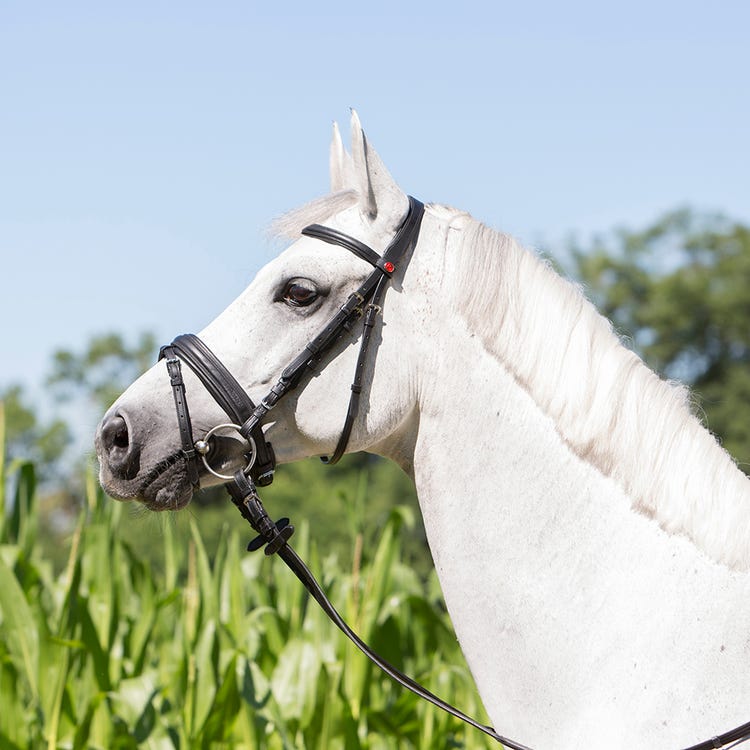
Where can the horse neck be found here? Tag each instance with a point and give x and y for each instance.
(487, 460)
(614, 413)
(556, 580)
(557, 587)
(545, 564)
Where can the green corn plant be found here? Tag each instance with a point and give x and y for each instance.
(3, 478)
(215, 649)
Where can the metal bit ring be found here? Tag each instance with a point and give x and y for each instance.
(204, 446)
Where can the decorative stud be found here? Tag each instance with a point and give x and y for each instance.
(389, 267)
(202, 447)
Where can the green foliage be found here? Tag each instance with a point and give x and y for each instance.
(95, 376)
(346, 507)
(26, 434)
(214, 650)
(681, 290)
(103, 370)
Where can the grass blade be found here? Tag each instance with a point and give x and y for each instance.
(19, 633)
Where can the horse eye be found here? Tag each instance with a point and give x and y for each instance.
(297, 295)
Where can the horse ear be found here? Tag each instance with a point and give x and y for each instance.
(340, 163)
(379, 196)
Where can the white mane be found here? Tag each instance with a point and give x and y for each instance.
(611, 409)
(607, 405)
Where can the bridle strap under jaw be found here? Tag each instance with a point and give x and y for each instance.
(387, 264)
(374, 308)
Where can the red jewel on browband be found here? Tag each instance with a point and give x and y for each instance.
(388, 266)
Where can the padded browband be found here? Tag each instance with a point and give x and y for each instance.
(334, 237)
(388, 262)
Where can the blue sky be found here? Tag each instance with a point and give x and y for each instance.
(144, 146)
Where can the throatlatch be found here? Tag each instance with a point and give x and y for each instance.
(247, 419)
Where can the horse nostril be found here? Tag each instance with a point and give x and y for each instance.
(115, 433)
(123, 456)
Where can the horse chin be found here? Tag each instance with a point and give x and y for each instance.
(170, 489)
(165, 487)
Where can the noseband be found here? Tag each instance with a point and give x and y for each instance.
(246, 418)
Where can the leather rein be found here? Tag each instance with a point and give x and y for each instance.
(247, 419)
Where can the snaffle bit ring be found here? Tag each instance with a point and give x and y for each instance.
(204, 446)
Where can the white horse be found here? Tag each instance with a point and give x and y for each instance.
(592, 539)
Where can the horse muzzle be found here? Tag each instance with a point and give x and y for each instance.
(124, 472)
(115, 447)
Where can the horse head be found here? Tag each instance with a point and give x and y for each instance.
(263, 330)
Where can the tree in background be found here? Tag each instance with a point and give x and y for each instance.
(103, 370)
(87, 380)
(95, 376)
(27, 435)
(680, 290)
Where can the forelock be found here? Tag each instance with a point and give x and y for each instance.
(317, 211)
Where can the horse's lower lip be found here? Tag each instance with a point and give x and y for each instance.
(166, 498)
(167, 489)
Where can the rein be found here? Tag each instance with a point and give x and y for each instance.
(247, 420)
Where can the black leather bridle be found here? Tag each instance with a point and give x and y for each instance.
(247, 420)
(366, 302)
